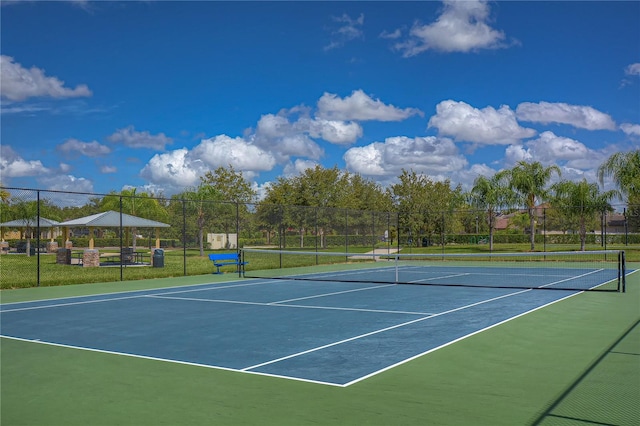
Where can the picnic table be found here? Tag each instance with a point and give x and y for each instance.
(125, 257)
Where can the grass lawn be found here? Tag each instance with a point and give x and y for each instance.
(20, 271)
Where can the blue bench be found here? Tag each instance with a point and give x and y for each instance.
(222, 259)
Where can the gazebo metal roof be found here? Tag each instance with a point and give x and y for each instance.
(32, 222)
(110, 219)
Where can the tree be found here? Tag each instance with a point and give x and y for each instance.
(323, 199)
(490, 194)
(231, 184)
(235, 191)
(529, 181)
(26, 211)
(199, 204)
(624, 169)
(5, 195)
(581, 200)
(425, 206)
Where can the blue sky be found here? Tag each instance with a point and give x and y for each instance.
(101, 96)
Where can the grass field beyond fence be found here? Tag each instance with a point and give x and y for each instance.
(21, 271)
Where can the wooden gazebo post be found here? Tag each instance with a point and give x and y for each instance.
(157, 238)
(91, 241)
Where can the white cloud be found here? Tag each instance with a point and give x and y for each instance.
(462, 27)
(298, 167)
(28, 109)
(88, 149)
(222, 150)
(486, 126)
(515, 153)
(348, 29)
(583, 117)
(360, 107)
(108, 169)
(336, 132)
(180, 168)
(68, 183)
(550, 149)
(633, 69)
(277, 135)
(18, 83)
(429, 155)
(630, 129)
(391, 35)
(13, 165)
(173, 168)
(134, 139)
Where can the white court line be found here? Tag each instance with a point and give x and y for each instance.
(84, 302)
(216, 284)
(333, 293)
(441, 278)
(143, 293)
(389, 367)
(174, 361)
(276, 304)
(221, 287)
(380, 331)
(541, 286)
(323, 275)
(572, 278)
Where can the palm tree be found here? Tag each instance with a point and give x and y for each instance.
(581, 200)
(4, 195)
(529, 181)
(624, 168)
(490, 194)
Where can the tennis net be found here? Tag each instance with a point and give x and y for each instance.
(590, 270)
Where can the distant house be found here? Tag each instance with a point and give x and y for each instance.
(502, 222)
(616, 223)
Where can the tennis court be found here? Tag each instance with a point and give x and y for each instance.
(309, 327)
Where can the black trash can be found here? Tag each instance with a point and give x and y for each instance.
(158, 258)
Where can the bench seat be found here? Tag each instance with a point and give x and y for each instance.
(223, 259)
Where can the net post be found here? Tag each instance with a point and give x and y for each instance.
(396, 257)
(623, 271)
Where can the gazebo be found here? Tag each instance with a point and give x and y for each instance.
(112, 219)
(29, 223)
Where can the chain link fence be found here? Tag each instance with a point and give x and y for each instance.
(54, 238)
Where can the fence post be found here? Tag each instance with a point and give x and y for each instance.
(237, 226)
(544, 229)
(604, 226)
(373, 230)
(38, 237)
(184, 237)
(626, 227)
(443, 232)
(121, 262)
(346, 231)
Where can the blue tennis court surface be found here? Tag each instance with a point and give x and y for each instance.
(325, 332)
